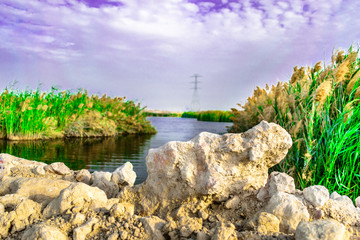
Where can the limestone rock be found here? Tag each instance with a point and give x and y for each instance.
(334, 195)
(201, 235)
(325, 229)
(121, 209)
(84, 176)
(102, 181)
(214, 164)
(263, 194)
(317, 195)
(41, 190)
(289, 210)
(42, 231)
(280, 182)
(39, 170)
(76, 195)
(345, 199)
(357, 202)
(81, 232)
(232, 202)
(153, 226)
(78, 219)
(23, 166)
(224, 231)
(58, 168)
(266, 223)
(189, 225)
(124, 175)
(19, 213)
(341, 211)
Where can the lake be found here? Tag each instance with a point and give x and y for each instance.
(107, 154)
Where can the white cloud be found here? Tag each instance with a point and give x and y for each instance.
(153, 42)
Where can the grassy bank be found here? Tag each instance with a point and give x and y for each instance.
(39, 115)
(157, 113)
(212, 115)
(319, 107)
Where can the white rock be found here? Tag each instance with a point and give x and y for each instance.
(334, 195)
(214, 164)
(76, 195)
(357, 202)
(289, 210)
(84, 176)
(265, 222)
(153, 226)
(345, 199)
(121, 209)
(224, 231)
(20, 213)
(232, 202)
(102, 181)
(58, 168)
(78, 219)
(42, 231)
(325, 229)
(124, 175)
(41, 190)
(39, 170)
(280, 182)
(81, 232)
(317, 195)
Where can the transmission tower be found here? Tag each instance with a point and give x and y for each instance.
(195, 102)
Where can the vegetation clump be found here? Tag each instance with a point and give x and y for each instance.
(211, 115)
(319, 107)
(26, 115)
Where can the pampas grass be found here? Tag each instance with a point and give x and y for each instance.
(319, 107)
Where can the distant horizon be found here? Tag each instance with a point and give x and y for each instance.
(148, 51)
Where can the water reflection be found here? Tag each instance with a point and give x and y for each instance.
(109, 153)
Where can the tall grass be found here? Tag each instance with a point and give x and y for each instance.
(211, 115)
(54, 114)
(319, 107)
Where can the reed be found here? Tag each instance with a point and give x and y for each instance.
(319, 107)
(211, 115)
(26, 115)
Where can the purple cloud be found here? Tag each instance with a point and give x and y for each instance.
(147, 50)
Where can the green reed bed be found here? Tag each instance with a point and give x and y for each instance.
(319, 107)
(190, 114)
(211, 116)
(164, 114)
(54, 114)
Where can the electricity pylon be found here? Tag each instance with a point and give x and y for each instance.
(195, 102)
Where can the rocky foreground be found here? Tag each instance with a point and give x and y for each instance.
(211, 187)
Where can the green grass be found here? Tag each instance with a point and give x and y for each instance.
(319, 107)
(190, 115)
(160, 114)
(211, 116)
(26, 114)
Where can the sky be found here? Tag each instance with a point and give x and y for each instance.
(147, 50)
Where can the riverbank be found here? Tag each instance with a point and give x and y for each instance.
(28, 115)
(193, 191)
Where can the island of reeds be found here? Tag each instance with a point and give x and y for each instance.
(27, 115)
(211, 115)
(319, 107)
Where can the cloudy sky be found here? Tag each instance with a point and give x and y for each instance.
(147, 50)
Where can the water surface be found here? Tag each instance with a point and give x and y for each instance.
(107, 154)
